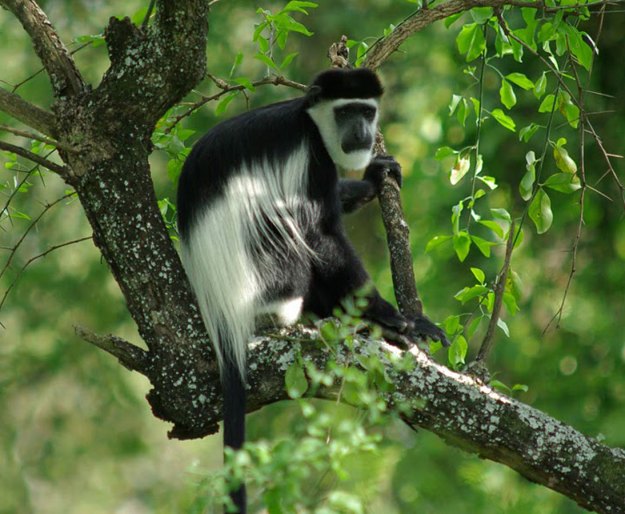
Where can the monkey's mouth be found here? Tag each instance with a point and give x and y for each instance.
(357, 146)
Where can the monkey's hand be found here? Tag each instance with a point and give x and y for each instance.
(379, 167)
(422, 328)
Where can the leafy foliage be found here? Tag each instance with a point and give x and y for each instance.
(520, 137)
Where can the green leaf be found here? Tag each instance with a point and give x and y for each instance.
(435, 242)
(462, 245)
(526, 186)
(295, 380)
(299, 6)
(479, 275)
(563, 160)
(582, 52)
(483, 245)
(506, 93)
(237, 62)
(503, 119)
(265, 59)
(520, 80)
(451, 19)
(493, 226)
(457, 352)
(563, 182)
(510, 302)
(291, 25)
(488, 181)
(526, 133)
(503, 326)
(540, 211)
(499, 385)
(223, 103)
(473, 326)
(541, 86)
(501, 214)
(460, 169)
(481, 15)
(455, 100)
(288, 59)
(471, 41)
(246, 83)
(547, 104)
(444, 151)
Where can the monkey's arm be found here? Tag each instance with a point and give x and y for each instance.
(356, 193)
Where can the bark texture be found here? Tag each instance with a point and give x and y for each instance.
(108, 129)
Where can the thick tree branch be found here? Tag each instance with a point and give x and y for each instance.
(468, 414)
(65, 77)
(27, 113)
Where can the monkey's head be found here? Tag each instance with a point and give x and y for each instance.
(344, 106)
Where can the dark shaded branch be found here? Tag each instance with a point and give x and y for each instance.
(27, 113)
(64, 76)
(37, 137)
(131, 356)
(500, 288)
(56, 168)
(395, 226)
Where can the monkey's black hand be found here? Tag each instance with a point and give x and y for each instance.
(422, 328)
(380, 166)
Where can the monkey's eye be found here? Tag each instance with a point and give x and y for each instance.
(369, 113)
(341, 113)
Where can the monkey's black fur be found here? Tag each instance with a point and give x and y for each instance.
(323, 268)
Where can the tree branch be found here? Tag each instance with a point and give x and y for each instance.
(64, 76)
(27, 113)
(395, 226)
(465, 413)
(37, 137)
(425, 16)
(129, 355)
(56, 168)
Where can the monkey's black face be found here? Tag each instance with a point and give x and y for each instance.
(347, 127)
(356, 126)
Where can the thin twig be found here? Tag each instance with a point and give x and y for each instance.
(56, 168)
(225, 88)
(33, 223)
(37, 137)
(500, 288)
(33, 259)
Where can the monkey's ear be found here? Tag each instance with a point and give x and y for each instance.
(313, 95)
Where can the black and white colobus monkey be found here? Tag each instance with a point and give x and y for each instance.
(259, 214)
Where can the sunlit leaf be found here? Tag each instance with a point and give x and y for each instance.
(503, 119)
(520, 80)
(462, 245)
(506, 94)
(471, 41)
(540, 211)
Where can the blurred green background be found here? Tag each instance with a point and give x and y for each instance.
(76, 434)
